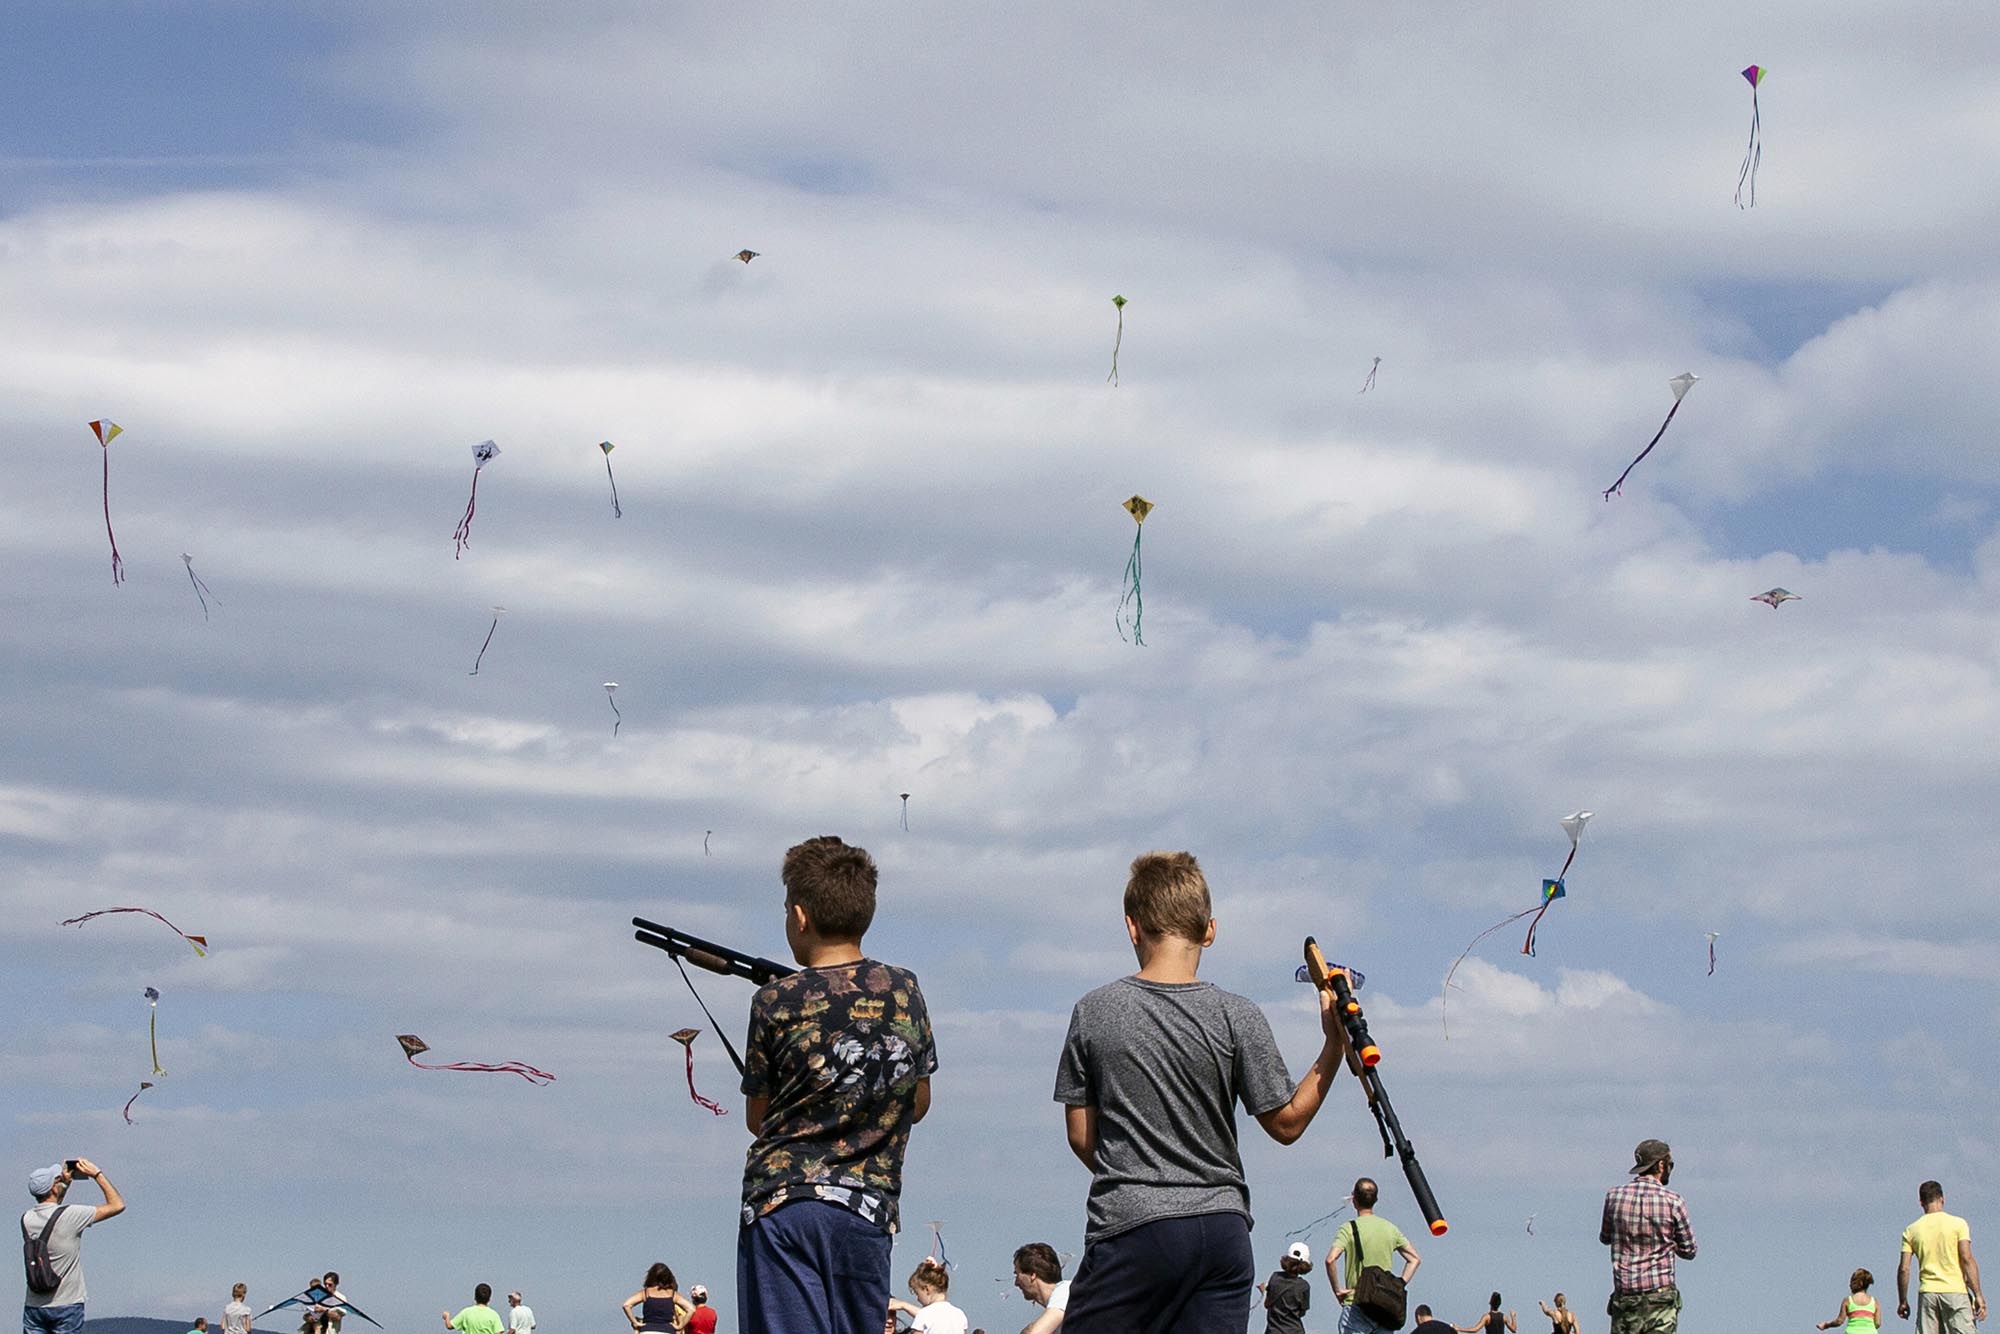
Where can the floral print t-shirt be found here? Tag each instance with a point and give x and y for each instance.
(839, 1052)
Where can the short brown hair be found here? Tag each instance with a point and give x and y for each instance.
(1860, 1281)
(1167, 896)
(1039, 1260)
(834, 883)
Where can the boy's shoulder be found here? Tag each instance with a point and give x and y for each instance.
(861, 979)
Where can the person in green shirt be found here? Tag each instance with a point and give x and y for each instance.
(478, 1318)
(1366, 1240)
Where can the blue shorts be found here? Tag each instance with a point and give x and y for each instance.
(1177, 1276)
(66, 1319)
(812, 1268)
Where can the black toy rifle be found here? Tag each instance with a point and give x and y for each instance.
(1362, 1058)
(715, 958)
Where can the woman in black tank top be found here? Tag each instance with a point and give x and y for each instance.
(1493, 1322)
(660, 1307)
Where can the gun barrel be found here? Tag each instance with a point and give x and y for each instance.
(1413, 1171)
(707, 954)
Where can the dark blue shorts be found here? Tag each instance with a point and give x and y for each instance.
(812, 1268)
(1177, 1276)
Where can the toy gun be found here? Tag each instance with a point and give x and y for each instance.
(715, 958)
(1362, 1058)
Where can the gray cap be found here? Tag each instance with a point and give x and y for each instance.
(43, 1179)
(1649, 1154)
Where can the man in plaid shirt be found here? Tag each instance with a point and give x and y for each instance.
(1646, 1226)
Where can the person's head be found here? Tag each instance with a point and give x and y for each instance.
(513, 1299)
(201, 1322)
(1298, 1258)
(659, 1276)
(1366, 1192)
(1494, 1301)
(698, 1294)
(482, 1293)
(330, 1281)
(829, 892)
(49, 1183)
(1561, 1302)
(1860, 1281)
(1423, 1314)
(931, 1280)
(239, 1292)
(1167, 898)
(1652, 1158)
(1037, 1268)
(1931, 1195)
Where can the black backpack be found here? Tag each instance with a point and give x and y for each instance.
(42, 1276)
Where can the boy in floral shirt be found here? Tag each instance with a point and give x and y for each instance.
(837, 1070)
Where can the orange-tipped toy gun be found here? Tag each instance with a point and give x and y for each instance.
(1362, 1058)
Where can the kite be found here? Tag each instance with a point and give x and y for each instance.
(144, 1084)
(936, 1225)
(1131, 598)
(1775, 597)
(1119, 302)
(746, 255)
(483, 453)
(153, 1028)
(413, 1046)
(498, 612)
(1552, 890)
(201, 590)
(200, 943)
(1711, 951)
(1754, 154)
(318, 1294)
(1681, 384)
(611, 697)
(686, 1037)
(1355, 977)
(906, 812)
(1572, 824)
(607, 447)
(1369, 383)
(106, 432)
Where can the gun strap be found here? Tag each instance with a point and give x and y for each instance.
(720, 1032)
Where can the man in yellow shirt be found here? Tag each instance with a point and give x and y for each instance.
(1948, 1294)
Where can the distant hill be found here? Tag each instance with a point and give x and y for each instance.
(139, 1324)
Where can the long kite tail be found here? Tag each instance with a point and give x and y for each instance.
(618, 719)
(1528, 946)
(143, 1086)
(1753, 156)
(200, 943)
(694, 1093)
(461, 536)
(1615, 487)
(616, 512)
(117, 561)
(482, 648)
(521, 1068)
(1115, 344)
(1452, 972)
(1133, 598)
(153, 1031)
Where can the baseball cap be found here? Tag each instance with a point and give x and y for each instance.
(697, 1291)
(43, 1179)
(1648, 1153)
(1297, 1251)
(513, 1296)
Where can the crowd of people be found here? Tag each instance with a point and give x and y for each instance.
(839, 1059)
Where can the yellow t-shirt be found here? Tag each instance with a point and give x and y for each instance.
(1934, 1239)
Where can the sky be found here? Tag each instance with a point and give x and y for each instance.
(308, 254)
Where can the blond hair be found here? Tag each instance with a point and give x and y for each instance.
(931, 1276)
(1167, 896)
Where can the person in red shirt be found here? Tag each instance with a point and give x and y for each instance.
(702, 1319)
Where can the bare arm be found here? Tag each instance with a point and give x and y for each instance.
(1410, 1260)
(1971, 1268)
(1512, 1327)
(114, 1203)
(1048, 1322)
(682, 1304)
(628, 1304)
(923, 1101)
(1285, 1124)
(1903, 1286)
(1081, 1125)
(753, 1113)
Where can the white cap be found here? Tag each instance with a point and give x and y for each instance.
(698, 1292)
(1298, 1251)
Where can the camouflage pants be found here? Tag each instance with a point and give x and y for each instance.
(1655, 1312)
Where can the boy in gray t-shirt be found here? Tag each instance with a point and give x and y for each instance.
(1151, 1073)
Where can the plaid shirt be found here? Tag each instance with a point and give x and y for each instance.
(1646, 1226)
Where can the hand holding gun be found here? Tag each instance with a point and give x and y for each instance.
(1362, 1058)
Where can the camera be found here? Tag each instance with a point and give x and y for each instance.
(70, 1166)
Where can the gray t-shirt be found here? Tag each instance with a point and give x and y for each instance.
(236, 1318)
(1164, 1064)
(65, 1251)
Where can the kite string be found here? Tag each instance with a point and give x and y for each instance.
(1445, 994)
(117, 561)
